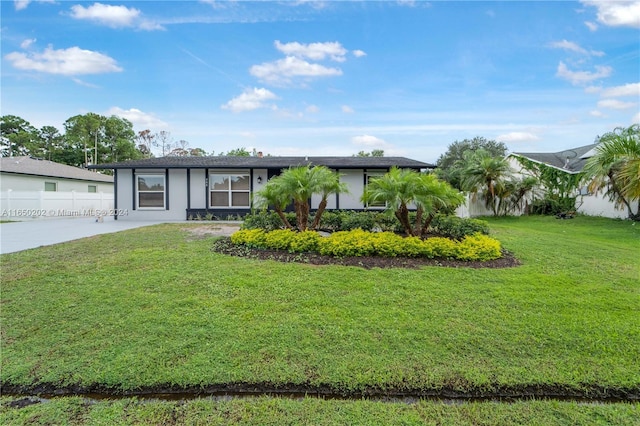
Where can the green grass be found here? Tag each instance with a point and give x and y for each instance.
(155, 307)
(309, 411)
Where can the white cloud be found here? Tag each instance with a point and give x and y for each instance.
(615, 104)
(631, 89)
(359, 53)
(347, 109)
(596, 113)
(312, 109)
(313, 51)
(139, 119)
(517, 137)
(574, 47)
(617, 13)
(369, 141)
(593, 89)
(27, 43)
(591, 25)
(283, 71)
(582, 77)
(636, 118)
(113, 16)
(250, 99)
(71, 61)
(23, 4)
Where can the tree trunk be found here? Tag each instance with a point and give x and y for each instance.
(283, 218)
(316, 220)
(427, 222)
(417, 226)
(403, 216)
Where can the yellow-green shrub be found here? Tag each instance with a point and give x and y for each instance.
(478, 247)
(363, 243)
(250, 237)
(305, 241)
(440, 247)
(280, 239)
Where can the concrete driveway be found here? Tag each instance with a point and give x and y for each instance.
(18, 236)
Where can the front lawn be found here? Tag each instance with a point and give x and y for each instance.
(157, 308)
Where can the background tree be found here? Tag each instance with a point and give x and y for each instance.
(449, 164)
(483, 173)
(52, 140)
(18, 137)
(615, 167)
(164, 141)
(119, 141)
(85, 130)
(145, 140)
(238, 152)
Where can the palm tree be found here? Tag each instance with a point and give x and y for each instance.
(299, 184)
(399, 188)
(327, 183)
(272, 194)
(433, 196)
(615, 166)
(486, 174)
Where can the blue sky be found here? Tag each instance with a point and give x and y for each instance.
(329, 77)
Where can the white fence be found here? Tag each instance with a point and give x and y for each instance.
(21, 205)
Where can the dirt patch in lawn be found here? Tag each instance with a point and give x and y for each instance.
(216, 230)
(224, 246)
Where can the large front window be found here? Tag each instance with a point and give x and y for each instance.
(229, 190)
(151, 191)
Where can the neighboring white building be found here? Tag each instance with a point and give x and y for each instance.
(31, 187)
(572, 161)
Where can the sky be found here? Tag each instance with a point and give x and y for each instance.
(329, 77)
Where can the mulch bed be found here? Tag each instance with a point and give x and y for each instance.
(224, 246)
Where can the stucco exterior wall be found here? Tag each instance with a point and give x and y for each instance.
(355, 182)
(177, 197)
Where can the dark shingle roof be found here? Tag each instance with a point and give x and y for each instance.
(31, 166)
(571, 160)
(266, 162)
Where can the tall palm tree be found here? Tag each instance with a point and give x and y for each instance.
(486, 174)
(615, 166)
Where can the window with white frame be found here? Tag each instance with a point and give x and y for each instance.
(150, 191)
(377, 203)
(229, 190)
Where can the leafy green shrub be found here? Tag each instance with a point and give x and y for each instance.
(266, 220)
(478, 247)
(347, 243)
(553, 205)
(357, 220)
(457, 227)
(331, 221)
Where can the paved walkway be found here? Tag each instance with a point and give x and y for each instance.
(18, 236)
